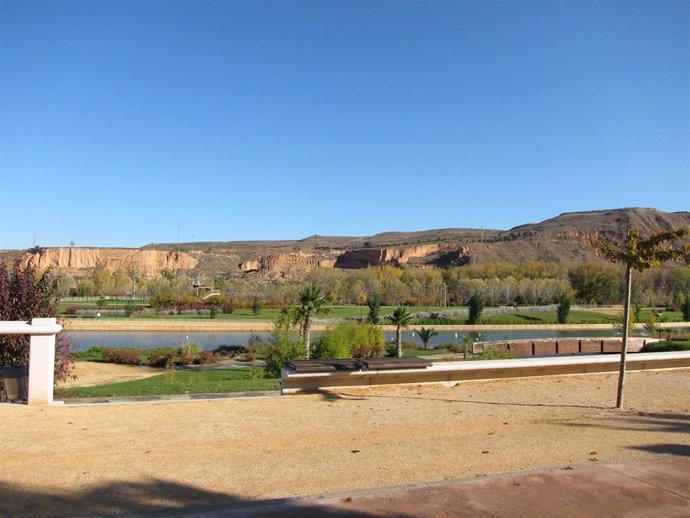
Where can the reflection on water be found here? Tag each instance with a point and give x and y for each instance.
(84, 340)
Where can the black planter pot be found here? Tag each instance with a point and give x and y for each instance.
(14, 383)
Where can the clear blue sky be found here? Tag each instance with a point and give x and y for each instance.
(279, 119)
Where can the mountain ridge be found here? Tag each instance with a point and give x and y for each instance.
(563, 239)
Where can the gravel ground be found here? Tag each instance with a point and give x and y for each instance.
(112, 459)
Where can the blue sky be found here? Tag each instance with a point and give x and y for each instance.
(124, 121)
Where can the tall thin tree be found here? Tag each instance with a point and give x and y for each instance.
(311, 301)
(400, 318)
(640, 254)
(374, 311)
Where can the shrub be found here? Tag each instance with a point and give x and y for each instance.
(456, 348)
(26, 294)
(188, 353)
(250, 353)
(206, 357)
(343, 339)
(391, 350)
(493, 353)
(164, 357)
(125, 356)
(665, 346)
(283, 346)
(190, 348)
(367, 351)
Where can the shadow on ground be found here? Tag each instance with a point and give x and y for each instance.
(154, 498)
(682, 450)
(344, 395)
(657, 422)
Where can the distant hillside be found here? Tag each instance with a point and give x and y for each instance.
(563, 239)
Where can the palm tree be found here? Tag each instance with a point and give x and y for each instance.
(425, 334)
(311, 301)
(639, 254)
(400, 318)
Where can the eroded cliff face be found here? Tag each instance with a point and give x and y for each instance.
(289, 265)
(378, 256)
(286, 265)
(148, 263)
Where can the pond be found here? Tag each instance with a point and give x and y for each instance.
(83, 340)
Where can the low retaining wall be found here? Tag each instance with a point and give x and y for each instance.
(454, 372)
(547, 346)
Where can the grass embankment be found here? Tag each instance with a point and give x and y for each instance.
(214, 381)
(344, 312)
(265, 314)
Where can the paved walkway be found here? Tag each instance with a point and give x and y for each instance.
(658, 487)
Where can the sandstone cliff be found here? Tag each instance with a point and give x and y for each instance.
(148, 263)
(379, 256)
(286, 265)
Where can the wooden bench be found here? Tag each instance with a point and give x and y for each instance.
(357, 364)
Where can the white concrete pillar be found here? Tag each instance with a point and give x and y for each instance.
(41, 363)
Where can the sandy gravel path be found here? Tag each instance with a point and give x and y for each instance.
(113, 459)
(90, 374)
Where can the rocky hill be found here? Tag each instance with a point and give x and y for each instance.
(562, 239)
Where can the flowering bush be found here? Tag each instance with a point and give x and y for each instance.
(26, 294)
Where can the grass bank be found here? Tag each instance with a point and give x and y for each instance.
(212, 381)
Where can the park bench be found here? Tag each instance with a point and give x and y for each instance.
(357, 364)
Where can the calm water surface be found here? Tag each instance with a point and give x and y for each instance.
(84, 340)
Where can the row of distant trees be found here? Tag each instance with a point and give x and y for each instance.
(499, 283)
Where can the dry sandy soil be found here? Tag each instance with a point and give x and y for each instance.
(90, 374)
(111, 459)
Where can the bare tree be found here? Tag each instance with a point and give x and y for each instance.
(639, 254)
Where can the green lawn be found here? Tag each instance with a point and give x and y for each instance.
(214, 381)
(545, 317)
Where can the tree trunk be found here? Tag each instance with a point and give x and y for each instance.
(305, 330)
(398, 341)
(624, 345)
